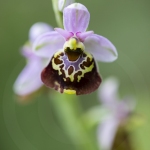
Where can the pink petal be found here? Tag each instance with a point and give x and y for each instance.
(76, 18)
(47, 44)
(83, 35)
(101, 48)
(26, 51)
(106, 133)
(37, 29)
(124, 108)
(108, 91)
(67, 35)
(29, 80)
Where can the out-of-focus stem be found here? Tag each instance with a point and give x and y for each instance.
(69, 113)
(58, 14)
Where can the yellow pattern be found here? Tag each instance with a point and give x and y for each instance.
(87, 69)
(73, 44)
(69, 91)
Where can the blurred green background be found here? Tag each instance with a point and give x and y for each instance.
(34, 126)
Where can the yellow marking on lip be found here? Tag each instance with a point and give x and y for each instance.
(72, 76)
(58, 52)
(87, 69)
(69, 91)
(89, 55)
(56, 67)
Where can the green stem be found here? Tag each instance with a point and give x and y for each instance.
(58, 14)
(69, 114)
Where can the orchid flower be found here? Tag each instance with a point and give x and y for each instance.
(72, 68)
(29, 79)
(120, 111)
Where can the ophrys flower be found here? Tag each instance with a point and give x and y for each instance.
(119, 113)
(72, 68)
(29, 79)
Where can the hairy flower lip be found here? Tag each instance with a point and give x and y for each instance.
(79, 75)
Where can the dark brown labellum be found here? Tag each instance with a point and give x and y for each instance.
(78, 77)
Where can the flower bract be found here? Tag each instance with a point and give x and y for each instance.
(64, 3)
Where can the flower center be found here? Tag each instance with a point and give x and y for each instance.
(73, 48)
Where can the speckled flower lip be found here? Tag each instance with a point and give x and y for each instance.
(72, 71)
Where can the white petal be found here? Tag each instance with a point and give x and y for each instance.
(29, 80)
(101, 48)
(47, 44)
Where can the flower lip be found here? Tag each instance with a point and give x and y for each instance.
(71, 76)
(73, 55)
